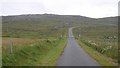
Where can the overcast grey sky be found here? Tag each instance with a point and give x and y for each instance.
(89, 8)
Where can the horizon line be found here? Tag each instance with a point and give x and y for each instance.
(58, 14)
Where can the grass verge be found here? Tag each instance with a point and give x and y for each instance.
(43, 53)
(102, 60)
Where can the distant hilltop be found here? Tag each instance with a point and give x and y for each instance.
(71, 19)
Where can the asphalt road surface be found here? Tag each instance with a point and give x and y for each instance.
(74, 55)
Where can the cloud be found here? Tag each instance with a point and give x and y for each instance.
(90, 8)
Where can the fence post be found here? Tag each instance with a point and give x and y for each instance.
(11, 47)
(79, 36)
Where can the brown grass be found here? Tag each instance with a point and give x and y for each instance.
(17, 41)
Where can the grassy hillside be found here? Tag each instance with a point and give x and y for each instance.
(34, 40)
(47, 24)
(99, 34)
(36, 26)
(103, 37)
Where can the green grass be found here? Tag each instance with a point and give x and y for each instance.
(36, 54)
(53, 55)
(100, 38)
(102, 60)
(41, 26)
(42, 32)
(34, 28)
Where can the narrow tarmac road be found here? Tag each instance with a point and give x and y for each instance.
(74, 55)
